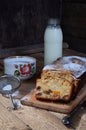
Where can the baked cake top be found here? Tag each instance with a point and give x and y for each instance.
(75, 64)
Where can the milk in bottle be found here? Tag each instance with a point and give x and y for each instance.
(53, 39)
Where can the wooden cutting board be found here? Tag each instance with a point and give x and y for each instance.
(30, 100)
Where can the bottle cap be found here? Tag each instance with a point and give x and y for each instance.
(53, 21)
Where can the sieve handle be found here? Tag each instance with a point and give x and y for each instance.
(13, 104)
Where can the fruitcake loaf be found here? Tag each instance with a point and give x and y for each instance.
(60, 80)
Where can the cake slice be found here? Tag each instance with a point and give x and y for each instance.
(54, 89)
(67, 75)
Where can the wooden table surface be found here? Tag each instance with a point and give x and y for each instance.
(31, 118)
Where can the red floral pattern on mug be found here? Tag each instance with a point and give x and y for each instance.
(16, 66)
(25, 69)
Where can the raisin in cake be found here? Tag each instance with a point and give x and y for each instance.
(60, 79)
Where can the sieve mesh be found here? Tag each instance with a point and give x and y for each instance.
(8, 84)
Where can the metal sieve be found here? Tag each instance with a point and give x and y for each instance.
(8, 85)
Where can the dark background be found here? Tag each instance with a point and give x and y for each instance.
(22, 22)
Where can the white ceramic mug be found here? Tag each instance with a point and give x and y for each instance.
(23, 67)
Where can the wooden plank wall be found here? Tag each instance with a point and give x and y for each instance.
(23, 23)
(74, 24)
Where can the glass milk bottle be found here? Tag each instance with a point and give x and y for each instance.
(53, 39)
